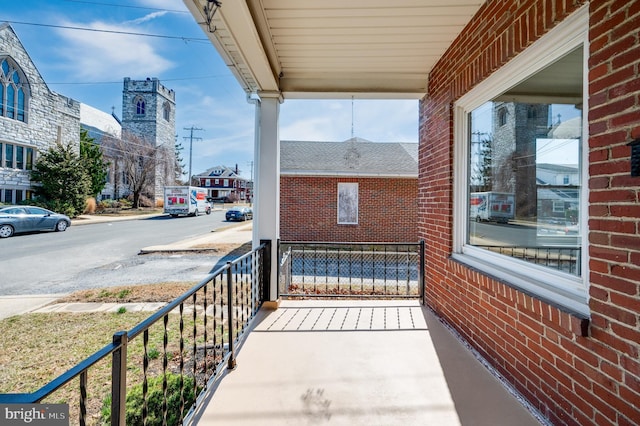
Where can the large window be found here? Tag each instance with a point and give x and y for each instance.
(519, 203)
(15, 196)
(520, 197)
(13, 90)
(16, 156)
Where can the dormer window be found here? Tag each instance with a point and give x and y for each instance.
(14, 90)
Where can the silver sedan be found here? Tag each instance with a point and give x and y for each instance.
(16, 219)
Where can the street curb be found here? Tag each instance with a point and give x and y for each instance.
(93, 219)
(152, 250)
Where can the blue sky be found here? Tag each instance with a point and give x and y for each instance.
(89, 66)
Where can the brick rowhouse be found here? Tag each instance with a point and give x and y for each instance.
(537, 347)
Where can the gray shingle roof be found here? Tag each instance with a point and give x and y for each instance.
(218, 172)
(354, 157)
(102, 122)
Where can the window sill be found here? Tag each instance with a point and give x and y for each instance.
(574, 303)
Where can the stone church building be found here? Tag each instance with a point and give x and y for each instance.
(148, 113)
(33, 119)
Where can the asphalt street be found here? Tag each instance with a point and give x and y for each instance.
(103, 252)
(183, 260)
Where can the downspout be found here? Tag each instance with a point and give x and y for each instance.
(254, 98)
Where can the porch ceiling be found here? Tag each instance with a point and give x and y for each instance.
(333, 48)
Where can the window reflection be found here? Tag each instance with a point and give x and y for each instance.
(524, 182)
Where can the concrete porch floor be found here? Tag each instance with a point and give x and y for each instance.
(345, 362)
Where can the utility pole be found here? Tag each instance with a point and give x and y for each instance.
(251, 186)
(191, 138)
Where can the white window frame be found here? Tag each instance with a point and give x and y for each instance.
(555, 287)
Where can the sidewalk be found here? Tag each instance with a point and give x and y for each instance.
(227, 238)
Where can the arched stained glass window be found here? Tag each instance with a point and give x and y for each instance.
(14, 90)
(11, 99)
(20, 104)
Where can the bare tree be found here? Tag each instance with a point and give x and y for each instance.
(482, 163)
(142, 164)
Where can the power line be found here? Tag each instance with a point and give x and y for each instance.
(127, 6)
(68, 27)
(120, 81)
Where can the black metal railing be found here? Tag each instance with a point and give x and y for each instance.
(316, 269)
(197, 333)
(561, 258)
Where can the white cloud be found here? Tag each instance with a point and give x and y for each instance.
(164, 4)
(95, 56)
(315, 128)
(227, 123)
(147, 18)
(387, 120)
(217, 115)
(332, 120)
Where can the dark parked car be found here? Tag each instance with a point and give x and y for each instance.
(15, 219)
(239, 213)
(219, 199)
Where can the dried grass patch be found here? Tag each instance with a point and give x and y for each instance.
(160, 292)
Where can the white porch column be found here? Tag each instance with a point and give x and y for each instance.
(266, 222)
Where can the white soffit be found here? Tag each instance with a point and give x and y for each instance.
(333, 48)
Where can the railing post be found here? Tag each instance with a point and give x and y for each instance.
(266, 273)
(82, 415)
(230, 308)
(422, 272)
(119, 379)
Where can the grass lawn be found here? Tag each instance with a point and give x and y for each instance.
(38, 347)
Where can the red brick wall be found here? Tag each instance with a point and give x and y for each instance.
(387, 210)
(571, 379)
